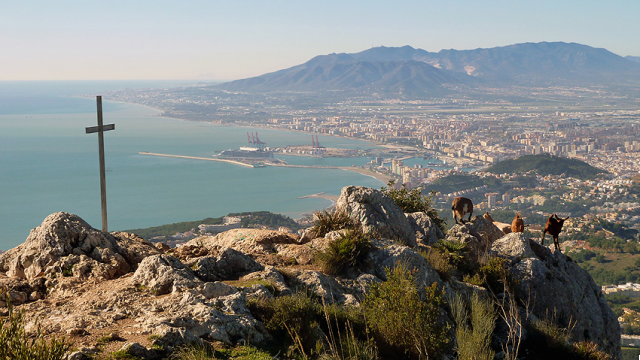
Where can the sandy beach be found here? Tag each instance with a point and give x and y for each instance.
(382, 177)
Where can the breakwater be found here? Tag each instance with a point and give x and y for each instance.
(199, 158)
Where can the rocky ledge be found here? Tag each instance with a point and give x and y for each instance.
(74, 280)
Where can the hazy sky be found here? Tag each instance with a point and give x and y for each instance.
(157, 39)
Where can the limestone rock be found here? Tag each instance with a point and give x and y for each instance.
(377, 212)
(427, 233)
(136, 350)
(393, 255)
(478, 234)
(262, 245)
(61, 236)
(217, 289)
(228, 264)
(320, 284)
(513, 245)
(271, 275)
(163, 274)
(555, 286)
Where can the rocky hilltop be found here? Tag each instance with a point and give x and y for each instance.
(147, 300)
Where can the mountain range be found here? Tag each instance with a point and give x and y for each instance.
(407, 70)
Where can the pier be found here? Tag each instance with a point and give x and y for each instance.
(199, 158)
(382, 177)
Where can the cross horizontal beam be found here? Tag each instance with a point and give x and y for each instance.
(93, 129)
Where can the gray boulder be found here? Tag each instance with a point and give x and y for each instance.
(556, 288)
(378, 213)
(228, 264)
(513, 246)
(163, 274)
(478, 234)
(320, 284)
(427, 233)
(395, 255)
(64, 240)
(136, 350)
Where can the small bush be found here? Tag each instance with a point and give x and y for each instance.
(194, 352)
(206, 352)
(287, 315)
(303, 322)
(589, 351)
(438, 260)
(411, 201)
(475, 320)
(349, 250)
(403, 322)
(15, 343)
(327, 221)
(494, 274)
(548, 340)
(454, 250)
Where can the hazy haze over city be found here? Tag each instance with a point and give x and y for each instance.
(231, 40)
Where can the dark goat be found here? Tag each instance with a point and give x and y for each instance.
(553, 227)
(461, 206)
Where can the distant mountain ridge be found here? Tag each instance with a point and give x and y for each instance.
(633, 58)
(416, 71)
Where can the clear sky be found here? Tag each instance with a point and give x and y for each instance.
(209, 39)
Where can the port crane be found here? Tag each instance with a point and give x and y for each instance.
(255, 140)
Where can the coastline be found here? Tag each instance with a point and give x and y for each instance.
(366, 172)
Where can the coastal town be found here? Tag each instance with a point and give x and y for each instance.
(458, 136)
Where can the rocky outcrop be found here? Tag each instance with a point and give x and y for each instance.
(77, 281)
(228, 264)
(425, 229)
(65, 244)
(265, 246)
(557, 289)
(378, 214)
(478, 234)
(393, 255)
(163, 274)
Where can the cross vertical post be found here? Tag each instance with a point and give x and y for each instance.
(100, 129)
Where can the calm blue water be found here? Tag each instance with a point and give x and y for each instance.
(49, 164)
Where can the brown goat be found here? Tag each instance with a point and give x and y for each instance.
(461, 206)
(506, 228)
(517, 225)
(553, 227)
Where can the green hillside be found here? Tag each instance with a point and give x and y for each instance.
(546, 164)
(249, 219)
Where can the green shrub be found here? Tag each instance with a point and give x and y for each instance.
(589, 351)
(15, 343)
(349, 250)
(547, 340)
(454, 250)
(438, 260)
(301, 323)
(401, 321)
(475, 320)
(411, 201)
(286, 316)
(346, 346)
(494, 274)
(194, 352)
(328, 221)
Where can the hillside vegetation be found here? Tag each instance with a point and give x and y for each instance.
(546, 164)
(249, 219)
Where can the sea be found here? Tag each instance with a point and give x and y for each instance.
(49, 164)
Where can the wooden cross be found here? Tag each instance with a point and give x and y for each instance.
(100, 129)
